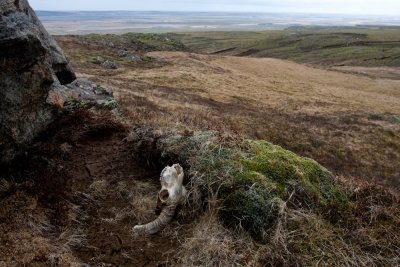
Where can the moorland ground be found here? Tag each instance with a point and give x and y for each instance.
(349, 123)
(367, 46)
(75, 194)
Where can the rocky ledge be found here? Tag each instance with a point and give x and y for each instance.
(36, 79)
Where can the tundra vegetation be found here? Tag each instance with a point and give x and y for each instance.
(285, 164)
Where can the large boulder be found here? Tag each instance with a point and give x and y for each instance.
(31, 64)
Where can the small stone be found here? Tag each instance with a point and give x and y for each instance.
(123, 53)
(98, 60)
(109, 64)
(157, 59)
(83, 84)
(135, 58)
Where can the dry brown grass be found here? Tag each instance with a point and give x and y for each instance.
(302, 238)
(364, 232)
(143, 201)
(26, 235)
(348, 123)
(211, 244)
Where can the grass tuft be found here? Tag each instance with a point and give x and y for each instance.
(291, 206)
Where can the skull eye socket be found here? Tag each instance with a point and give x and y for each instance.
(163, 195)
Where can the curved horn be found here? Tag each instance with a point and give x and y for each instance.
(158, 224)
(171, 195)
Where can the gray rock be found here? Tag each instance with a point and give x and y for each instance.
(31, 64)
(83, 93)
(89, 86)
(107, 103)
(98, 60)
(109, 65)
(135, 58)
(157, 59)
(102, 90)
(107, 43)
(123, 53)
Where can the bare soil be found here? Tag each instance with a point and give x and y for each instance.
(85, 191)
(109, 221)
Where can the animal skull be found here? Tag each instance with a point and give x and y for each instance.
(171, 195)
(172, 190)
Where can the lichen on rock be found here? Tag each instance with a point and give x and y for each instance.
(83, 93)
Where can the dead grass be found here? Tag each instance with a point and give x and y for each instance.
(6, 187)
(143, 202)
(72, 238)
(26, 233)
(211, 244)
(87, 189)
(346, 122)
(364, 231)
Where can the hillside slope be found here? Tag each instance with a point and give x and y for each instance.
(368, 46)
(73, 197)
(346, 122)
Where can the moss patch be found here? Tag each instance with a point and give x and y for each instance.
(251, 178)
(282, 172)
(265, 174)
(250, 209)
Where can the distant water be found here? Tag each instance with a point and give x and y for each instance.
(79, 22)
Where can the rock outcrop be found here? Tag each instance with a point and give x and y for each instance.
(31, 64)
(82, 93)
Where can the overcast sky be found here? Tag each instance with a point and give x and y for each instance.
(383, 7)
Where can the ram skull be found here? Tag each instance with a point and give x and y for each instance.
(171, 195)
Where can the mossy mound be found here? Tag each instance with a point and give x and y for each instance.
(281, 172)
(250, 209)
(250, 178)
(273, 175)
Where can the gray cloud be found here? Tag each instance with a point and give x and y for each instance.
(385, 7)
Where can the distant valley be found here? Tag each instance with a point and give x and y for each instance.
(82, 22)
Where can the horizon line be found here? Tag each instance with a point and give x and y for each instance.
(216, 11)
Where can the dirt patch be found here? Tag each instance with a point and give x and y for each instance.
(114, 178)
(80, 191)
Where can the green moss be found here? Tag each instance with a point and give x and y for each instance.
(147, 59)
(109, 104)
(146, 41)
(74, 104)
(252, 178)
(271, 167)
(251, 209)
(259, 174)
(103, 91)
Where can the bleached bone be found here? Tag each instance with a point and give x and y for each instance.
(171, 195)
